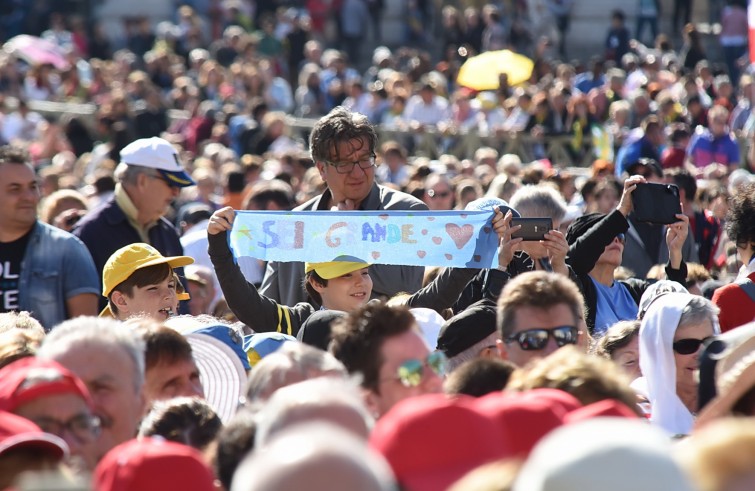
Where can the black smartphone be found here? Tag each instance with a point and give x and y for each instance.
(656, 203)
(532, 228)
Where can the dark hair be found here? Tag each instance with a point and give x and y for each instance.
(618, 15)
(479, 376)
(616, 337)
(740, 225)
(684, 180)
(358, 338)
(10, 154)
(339, 125)
(314, 295)
(235, 441)
(151, 275)
(187, 420)
(163, 346)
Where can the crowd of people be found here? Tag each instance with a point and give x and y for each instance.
(138, 351)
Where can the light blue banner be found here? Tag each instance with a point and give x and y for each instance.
(416, 238)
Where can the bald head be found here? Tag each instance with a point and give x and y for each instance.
(309, 457)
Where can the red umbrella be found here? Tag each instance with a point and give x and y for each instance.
(36, 51)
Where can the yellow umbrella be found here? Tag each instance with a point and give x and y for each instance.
(481, 72)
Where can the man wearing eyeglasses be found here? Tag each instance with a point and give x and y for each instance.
(57, 401)
(342, 145)
(150, 177)
(385, 347)
(538, 313)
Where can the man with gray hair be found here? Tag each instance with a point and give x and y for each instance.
(314, 456)
(547, 255)
(323, 399)
(150, 176)
(109, 358)
(291, 363)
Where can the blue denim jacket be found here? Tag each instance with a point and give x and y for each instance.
(56, 266)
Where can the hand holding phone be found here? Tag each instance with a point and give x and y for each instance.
(532, 229)
(656, 203)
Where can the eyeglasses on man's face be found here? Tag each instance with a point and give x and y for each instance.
(346, 167)
(84, 427)
(411, 372)
(537, 339)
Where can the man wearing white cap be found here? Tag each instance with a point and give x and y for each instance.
(150, 176)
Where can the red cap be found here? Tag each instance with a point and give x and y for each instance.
(152, 464)
(606, 408)
(17, 432)
(30, 378)
(431, 441)
(526, 417)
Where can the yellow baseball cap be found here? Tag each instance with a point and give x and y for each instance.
(123, 262)
(337, 267)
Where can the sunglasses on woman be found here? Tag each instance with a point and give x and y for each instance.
(537, 339)
(412, 371)
(689, 345)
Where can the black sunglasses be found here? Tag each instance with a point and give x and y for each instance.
(537, 339)
(689, 345)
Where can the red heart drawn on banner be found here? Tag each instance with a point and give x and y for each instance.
(421, 254)
(375, 254)
(460, 235)
(437, 240)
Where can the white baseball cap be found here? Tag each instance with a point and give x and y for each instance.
(160, 155)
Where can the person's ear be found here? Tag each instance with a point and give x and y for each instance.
(502, 349)
(120, 300)
(372, 402)
(321, 169)
(319, 287)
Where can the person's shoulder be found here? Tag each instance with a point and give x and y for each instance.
(107, 210)
(399, 200)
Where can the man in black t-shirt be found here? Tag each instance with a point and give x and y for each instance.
(43, 269)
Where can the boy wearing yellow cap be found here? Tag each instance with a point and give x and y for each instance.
(342, 284)
(139, 281)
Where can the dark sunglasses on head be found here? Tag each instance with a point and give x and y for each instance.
(411, 372)
(537, 339)
(689, 345)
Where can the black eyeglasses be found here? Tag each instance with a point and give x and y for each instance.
(83, 427)
(689, 345)
(537, 339)
(346, 167)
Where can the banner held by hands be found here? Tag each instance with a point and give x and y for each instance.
(416, 238)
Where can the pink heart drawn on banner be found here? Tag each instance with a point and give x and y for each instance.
(449, 256)
(460, 235)
(383, 216)
(424, 231)
(437, 240)
(375, 254)
(421, 254)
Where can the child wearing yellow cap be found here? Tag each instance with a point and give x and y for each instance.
(139, 281)
(342, 284)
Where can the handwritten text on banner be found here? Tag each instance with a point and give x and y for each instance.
(417, 238)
